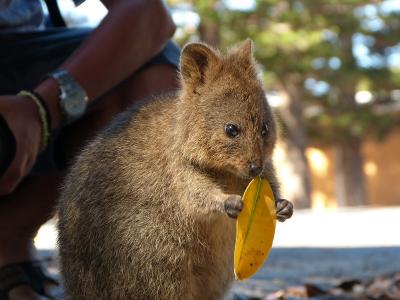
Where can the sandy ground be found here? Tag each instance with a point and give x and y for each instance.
(313, 247)
(352, 227)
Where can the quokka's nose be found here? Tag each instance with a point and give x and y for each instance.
(255, 170)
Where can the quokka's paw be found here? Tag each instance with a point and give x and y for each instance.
(233, 205)
(284, 209)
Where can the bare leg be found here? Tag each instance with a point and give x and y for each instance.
(152, 81)
(24, 211)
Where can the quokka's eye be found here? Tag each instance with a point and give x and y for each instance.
(264, 129)
(231, 130)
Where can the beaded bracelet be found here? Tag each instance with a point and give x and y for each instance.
(43, 115)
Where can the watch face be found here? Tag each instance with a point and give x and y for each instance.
(73, 98)
(74, 106)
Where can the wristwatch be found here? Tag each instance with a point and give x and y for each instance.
(73, 98)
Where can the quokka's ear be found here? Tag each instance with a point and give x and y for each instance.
(244, 51)
(196, 60)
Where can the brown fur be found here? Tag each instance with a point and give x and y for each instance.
(142, 212)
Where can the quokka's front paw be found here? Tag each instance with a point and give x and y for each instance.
(233, 205)
(284, 209)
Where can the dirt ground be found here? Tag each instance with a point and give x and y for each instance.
(322, 267)
(295, 267)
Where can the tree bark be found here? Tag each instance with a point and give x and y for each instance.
(351, 187)
(350, 181)
(209, 32)
(295, 139)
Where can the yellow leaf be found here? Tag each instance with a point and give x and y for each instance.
(255, 228)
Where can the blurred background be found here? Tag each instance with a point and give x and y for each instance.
(331, 70)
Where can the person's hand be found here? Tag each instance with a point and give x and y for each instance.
(22, 117)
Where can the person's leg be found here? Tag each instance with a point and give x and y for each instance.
(148, 82)
(24, 211)
(21, 215)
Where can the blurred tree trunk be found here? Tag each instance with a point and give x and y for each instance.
(209, 32)
(295, 139)
(210, 22)
(350, 181)
(349, 165)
